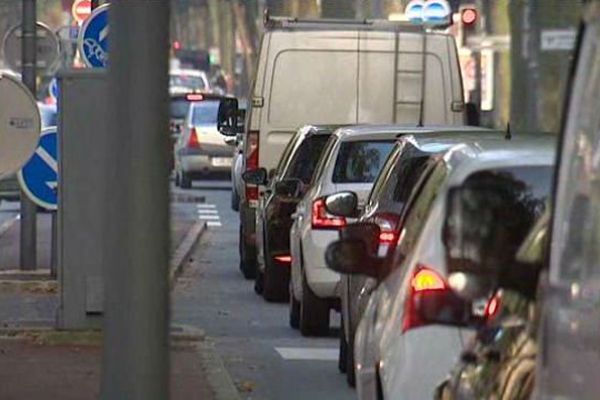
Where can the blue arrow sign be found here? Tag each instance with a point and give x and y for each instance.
(93, 38)
(39, 177)
(53, 89)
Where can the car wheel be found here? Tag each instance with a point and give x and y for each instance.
(314, 313)
(342, 359)
(259, 283)
(350, 371)
(185, 181)
(235, 200)
(294, 311)
(177, 180)
(248, 268)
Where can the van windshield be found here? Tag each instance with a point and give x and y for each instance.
(361, 161)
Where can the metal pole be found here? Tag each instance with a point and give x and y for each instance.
(28, 243)
(53, 246)
(136, 326)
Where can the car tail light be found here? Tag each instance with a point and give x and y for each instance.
(388, 223)
(194, 97)
(321, 219)
(283, 259)
(424, 280)
(193, 142)
(252, 163)
(492, 307)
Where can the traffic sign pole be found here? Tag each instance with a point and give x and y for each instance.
(136, 325)
(28, 243)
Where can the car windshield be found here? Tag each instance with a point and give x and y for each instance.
(361, 161)
(192, 82)
(205, 113)
(179, 108)
(304, 160)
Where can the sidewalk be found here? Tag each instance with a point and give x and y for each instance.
(36, 367)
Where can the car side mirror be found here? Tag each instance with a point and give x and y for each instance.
(368, 232)
(228, 117)
(255, 177)
(351, 257)
(443, 307)
(342, 204)
(288, 187)
(230, 141)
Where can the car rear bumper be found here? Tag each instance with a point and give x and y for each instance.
(199, 163)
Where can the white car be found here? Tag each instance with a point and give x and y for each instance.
(399, 352)
(351, 161)
(183, 81)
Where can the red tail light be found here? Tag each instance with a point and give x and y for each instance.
(321, 219)
(193, 142)
(252, 163)
(424, 280)
(388, 223)
(283, 259)
(492, 307)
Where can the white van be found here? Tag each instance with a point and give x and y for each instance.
(331, 72)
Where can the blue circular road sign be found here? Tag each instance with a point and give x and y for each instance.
(39, 177)
(93, 38)
(53, 89)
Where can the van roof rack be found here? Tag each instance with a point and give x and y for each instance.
(278, 22)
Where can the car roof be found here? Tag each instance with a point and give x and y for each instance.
(468, 158)
(382, 132)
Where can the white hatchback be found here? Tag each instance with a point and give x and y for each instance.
(351, 161)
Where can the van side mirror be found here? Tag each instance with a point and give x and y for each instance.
(351, 257)
(342, 204)
(255, 177)
(288, 187)
(228, 117)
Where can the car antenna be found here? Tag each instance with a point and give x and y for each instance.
(508, 135)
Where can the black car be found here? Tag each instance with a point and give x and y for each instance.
(288, 183)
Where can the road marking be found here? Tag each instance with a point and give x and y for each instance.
(205, 205)
(207, 211)
(207, 217)
(8, 224)
(213, 223)
(308, 353)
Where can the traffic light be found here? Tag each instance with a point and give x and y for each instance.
(468, 21)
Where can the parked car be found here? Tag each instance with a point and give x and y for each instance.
(323, 72)
(410, 157)
(182, 81)
(560, 331)
(237, 163)
(10, 190)
(286, 185)
(200, 149)
(351, 160)
(401, 349)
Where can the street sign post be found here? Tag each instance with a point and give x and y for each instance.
(81, 10)
(39, 177)
(47, 48)
(20, 124)
(93, 38)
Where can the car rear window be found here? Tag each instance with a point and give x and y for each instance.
(304, 160)
(179, 108)
(361, 161)
(187, 81)
(205, 112)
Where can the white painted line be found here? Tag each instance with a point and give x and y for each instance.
(202, 205)
(213, 223)
(207, 211)
(308, 353)
(207, 217)
(8, 224)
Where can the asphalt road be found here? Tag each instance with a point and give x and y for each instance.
(263, 355)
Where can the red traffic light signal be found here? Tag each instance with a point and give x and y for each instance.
(468, 16)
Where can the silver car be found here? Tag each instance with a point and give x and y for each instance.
(200, 148)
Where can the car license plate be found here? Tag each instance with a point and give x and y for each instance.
(221, 161)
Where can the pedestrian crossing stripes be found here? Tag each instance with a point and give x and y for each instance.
(209, 214)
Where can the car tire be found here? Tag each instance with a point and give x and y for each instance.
(185, 181)
(342, 359)
(259, 283)
(247, 267)
(314, 313)
(294, 311)
(235, 201)
(350, 371)
(177, 179)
